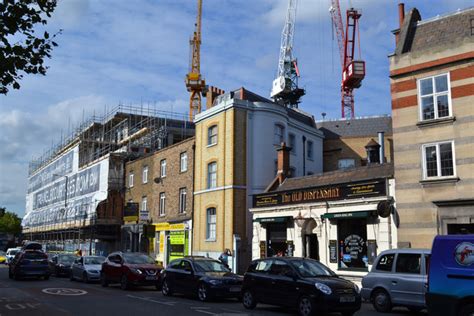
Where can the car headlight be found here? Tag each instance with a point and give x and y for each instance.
(136, 271)
(323, 288)
(93, 271)
(215, 282)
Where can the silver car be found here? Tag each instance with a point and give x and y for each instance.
(11, 252)
(87, 268)
(398, 278)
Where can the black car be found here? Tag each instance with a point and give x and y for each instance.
(303, 283)
(60, 264)
(29, 263)
(207, 278)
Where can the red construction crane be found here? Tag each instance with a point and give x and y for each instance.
(353, 71)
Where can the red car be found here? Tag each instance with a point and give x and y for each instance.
(130, 269)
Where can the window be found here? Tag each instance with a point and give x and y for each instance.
(212, 135)
(163, 168)
(310, 150)
(438, 160)
(280, 268)
(386, 262)
(346, 163)
(434, 97)
(211, 224)
(212, 175)
(408, 263)
(145, 174)
(130, 180)
(144, 202)
(278, 136)
(182, 200)
(183, 158)
(292, 142)
(162, 204)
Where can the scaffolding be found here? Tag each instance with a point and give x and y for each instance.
(128, 130)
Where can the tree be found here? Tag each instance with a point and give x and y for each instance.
(10, 223)
(21, 51)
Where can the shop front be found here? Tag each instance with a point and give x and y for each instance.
(172, 241)
(344, 225)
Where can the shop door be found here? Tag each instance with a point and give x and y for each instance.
(311, 246)
(276, 239)
(352, 243)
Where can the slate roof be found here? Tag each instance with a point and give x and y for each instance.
(369, 172)
(358, 127)
(439, 32)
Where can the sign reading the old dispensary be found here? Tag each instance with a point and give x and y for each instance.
(355, 190)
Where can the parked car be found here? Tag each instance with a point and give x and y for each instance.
(3, 257)
(204, 277)
(397, 278)
(60, 264)
(87, 268)
(451, 276)
(303, 283)
(129, 269)
(32, 245)
(29, 263)
(11, 252)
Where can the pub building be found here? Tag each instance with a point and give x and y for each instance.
(343, 218)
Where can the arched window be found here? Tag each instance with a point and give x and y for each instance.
(212, 175)
(211, 223)
(212, 135)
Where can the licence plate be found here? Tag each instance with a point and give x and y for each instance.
(235, 289)
(347, 299)
(151, 277)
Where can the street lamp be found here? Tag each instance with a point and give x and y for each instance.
(299, 220)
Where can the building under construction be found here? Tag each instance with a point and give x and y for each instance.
(75, 196)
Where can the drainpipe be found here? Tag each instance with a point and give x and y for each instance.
(304, 155)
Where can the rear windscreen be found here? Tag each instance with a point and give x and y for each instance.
(34, 255)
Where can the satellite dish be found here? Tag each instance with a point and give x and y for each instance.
(384, 208)
(157, 180)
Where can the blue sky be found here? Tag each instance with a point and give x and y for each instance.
(137, 52)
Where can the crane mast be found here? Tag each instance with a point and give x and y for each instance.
(285, 87)
(195, 83)
(353, 71)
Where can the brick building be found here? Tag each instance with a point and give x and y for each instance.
(351, 143)
(432, 87)
(162, 185)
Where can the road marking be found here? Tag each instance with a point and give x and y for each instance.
(64, 291)
(149, 299)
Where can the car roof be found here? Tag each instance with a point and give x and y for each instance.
(406, 250)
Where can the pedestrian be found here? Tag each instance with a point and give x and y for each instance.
(78, 252)
(224, 257)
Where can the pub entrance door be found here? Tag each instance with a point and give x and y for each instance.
(311, 246)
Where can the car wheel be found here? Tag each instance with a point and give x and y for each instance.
(71, 277)
(305, 306)
(85, 277)
(165, 288)
(203, 292)
(381, 301)
(248, 300)
(467, 310)
(103, 280)
(124, 283)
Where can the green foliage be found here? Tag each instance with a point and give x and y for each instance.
(10, 223)
(21, 51)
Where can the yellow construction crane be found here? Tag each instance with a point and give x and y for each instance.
(195, 84)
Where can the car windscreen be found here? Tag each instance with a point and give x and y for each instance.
(34, 255)
(310, 268)
(94, 260)
(66, 259)
(12, 252)
(137, 258)
(209, 266)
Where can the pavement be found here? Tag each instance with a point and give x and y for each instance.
(60, 296)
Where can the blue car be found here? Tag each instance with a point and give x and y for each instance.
(29, 263)
(451, 276)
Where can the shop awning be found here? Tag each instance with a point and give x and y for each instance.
(281, 219)
(346, 215)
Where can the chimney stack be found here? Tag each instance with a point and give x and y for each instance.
(283, 163)
(211, 95)
(401, 18)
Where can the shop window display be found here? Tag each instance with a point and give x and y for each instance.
(352, 239)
